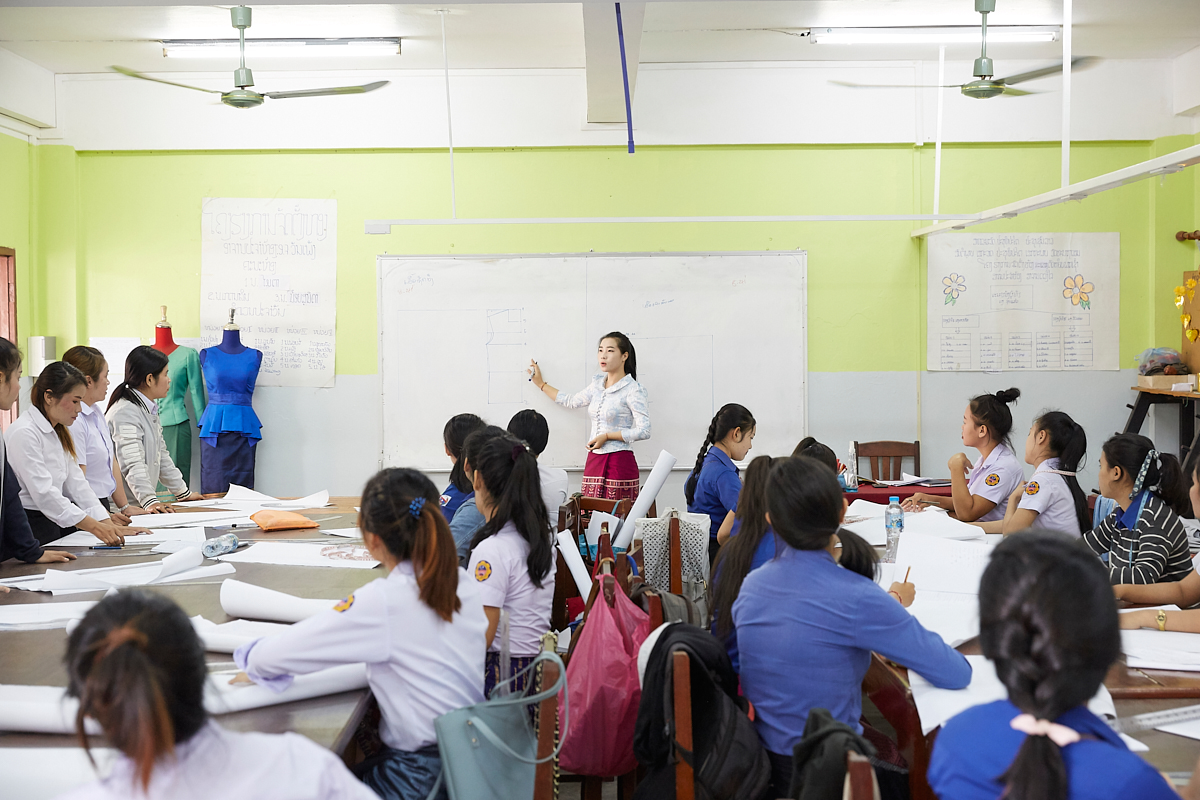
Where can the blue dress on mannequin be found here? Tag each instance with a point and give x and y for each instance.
(229, 428)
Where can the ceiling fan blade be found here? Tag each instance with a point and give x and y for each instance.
(1077, 63)
(895, 85)
(134, 74)
(368, 87)
(1010, 92)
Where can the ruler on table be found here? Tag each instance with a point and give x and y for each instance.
(1155, 719)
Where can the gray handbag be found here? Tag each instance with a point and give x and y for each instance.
(489, 750)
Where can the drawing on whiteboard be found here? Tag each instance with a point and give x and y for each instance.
(955, 285)
(506, 350)
(1079, 291)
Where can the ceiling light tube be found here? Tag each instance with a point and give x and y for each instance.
(283, 48)
(935, 35)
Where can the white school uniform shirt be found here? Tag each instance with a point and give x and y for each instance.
(419, 666)
(234, 766)
(94, 447)
(1048, 494)
(499, 570)
(51, 481)
(554, 489)
(995, 478)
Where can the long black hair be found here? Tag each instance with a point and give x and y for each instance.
(731, 417)
(991, 411)
(810, 447)
(626, 348)
(454, 435)
(806, 503)
(1129, 450)
(10, 358)
(734, 559)
(58, 379)
(509, 470)
(137, 667)
(142, 362)
(1068, 444)
(1048, 621)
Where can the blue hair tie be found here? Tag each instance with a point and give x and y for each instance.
(415, 507)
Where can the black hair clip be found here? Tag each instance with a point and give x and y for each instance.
(415, 507)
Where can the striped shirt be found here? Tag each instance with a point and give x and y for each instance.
(1154, 551)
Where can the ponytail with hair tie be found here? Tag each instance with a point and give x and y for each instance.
(730, 417)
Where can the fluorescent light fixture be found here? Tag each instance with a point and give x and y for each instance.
(282, 48)
(935, 35)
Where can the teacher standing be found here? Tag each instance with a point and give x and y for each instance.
(617, 407)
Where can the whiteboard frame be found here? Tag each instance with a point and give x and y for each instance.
(383, 409)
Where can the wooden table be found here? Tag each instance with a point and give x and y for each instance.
(1187, 413)
(35, 657)
(880, 494)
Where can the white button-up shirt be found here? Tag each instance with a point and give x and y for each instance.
(621, 407)
(1048, 494)
(51, 481)
(234, 766)
(994, 478)
(94, 449)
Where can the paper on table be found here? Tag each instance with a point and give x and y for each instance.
(246, 600)
(570, 552)
(43, 773)
(38, 616)
(85, 539)
(654, 483)
(39, 709)
(953, 616)
(1151, 649)
(189, 520)
(222, 698)
(865, 508)
(942, 565)
(242, 499)
(593, 529)
(1190, 729)
(932, 522)
(346, 533)
(294, 554)
(180, 566)
(231, 635)
(936, 706)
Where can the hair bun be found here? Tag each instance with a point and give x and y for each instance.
(1008, 395)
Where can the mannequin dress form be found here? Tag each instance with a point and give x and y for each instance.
(229, 429)
(183, 367)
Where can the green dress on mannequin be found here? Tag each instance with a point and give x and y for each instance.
(183, 367)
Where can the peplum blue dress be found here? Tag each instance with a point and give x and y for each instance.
(229, 428)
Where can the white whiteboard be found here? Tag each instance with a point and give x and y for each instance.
(1024, 301)
(455, 336)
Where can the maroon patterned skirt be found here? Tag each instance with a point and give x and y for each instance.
(611, 476)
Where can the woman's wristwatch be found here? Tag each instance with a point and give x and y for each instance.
(1161, 619)
(124, 508)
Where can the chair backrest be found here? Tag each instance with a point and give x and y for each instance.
(543, 784)
(860, 778)
(887, 458)
(681, 695)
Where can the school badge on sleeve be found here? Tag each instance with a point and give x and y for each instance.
(993, 479)
(345, 604)
(1032, 488)
(483, 571)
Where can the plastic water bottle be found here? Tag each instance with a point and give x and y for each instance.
(893, 520)
(225, 543)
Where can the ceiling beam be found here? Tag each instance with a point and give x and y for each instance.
(602, 51)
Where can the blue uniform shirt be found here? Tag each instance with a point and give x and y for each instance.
(717, 488)
(977, 746)
(806, 629)
(451, 499)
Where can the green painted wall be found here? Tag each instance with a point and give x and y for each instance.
(116, 234)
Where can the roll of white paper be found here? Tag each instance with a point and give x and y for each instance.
(39, 709)
(570, 551)
(220, 697)
(248, 601)
(654, 484)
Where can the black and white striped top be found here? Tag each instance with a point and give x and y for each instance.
(1155, 551)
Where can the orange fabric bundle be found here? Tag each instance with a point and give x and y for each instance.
(282, 521)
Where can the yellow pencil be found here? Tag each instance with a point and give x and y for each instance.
(906, 574)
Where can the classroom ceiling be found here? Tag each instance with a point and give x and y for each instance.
(82, 36)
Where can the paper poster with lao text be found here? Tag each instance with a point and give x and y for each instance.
(274, 262)
(1006, 302)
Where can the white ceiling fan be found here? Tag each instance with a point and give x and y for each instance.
(243, 78)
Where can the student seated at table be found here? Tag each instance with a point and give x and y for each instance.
(420, 630)
(1048, 622)
(531, 427)
(137, 434)
(1052, 499)
(977, 491)
(512, 555)
(806, 624)
(93, 440)
(713, 485)
(454, 435)
(468, 520)
(810, 447)
(1184, 593)
(1143, 540)
(56, 497)
(749, 545)
(16, 537)
(138, 668)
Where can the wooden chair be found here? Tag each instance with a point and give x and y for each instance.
(547, 772)
(888, 689)
(887, 457)
(860, 776)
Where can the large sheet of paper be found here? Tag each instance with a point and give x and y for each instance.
(866, 519)
(245, 600)
(182, 566)
(294, 554)
(941, 565)
(1151, 649)
(192, 519)
(85, 539)
(274, 260)
(953, 616)
(1024, 301)
(220, 697)
(239, 498)
(935, 706)
(44, 773)
(654, 483)
(229, 636)
(39, 709)
(41, 616)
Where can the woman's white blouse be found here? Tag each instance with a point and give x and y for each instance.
(94, 448)
(621, 407)
(51, 481)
